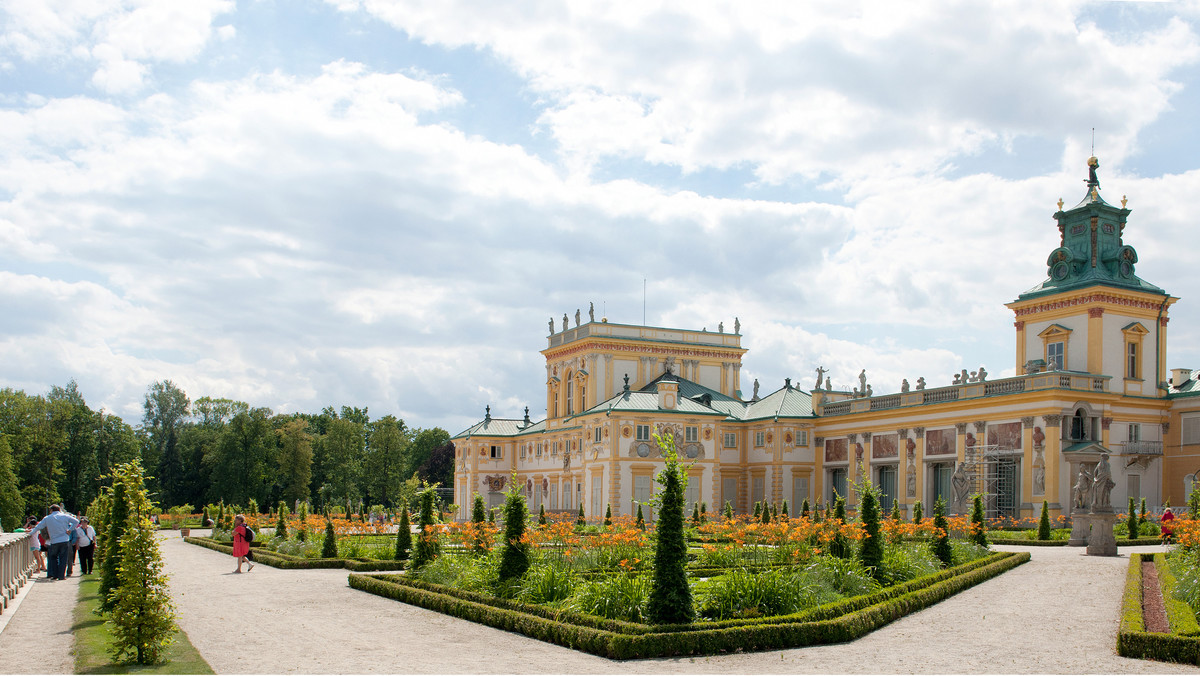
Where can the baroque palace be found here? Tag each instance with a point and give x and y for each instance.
(1090, 353)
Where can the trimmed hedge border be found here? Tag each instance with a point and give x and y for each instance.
(837, 622)
(286, 562)
(1132, 638)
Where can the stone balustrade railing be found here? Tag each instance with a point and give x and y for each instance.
(16, 566)
(1066, 380)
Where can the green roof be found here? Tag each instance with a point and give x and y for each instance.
(501, 427)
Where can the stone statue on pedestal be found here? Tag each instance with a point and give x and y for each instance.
(821, 371)
(1083, 490)
(1102, 486)
(961, 485)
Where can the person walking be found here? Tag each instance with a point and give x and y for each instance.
(85, 540)
(72, 545)
(58, 525)
(1168, 533)
(241, 546)
(35, 544)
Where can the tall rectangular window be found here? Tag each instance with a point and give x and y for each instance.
(729, 493)
(1191, 429)
(598, 434)
(1135, 432)
(643, 433)
(759, 492)
(496, 453)
(799, 493)
(554, 496)
(730, 440)
(693, 495)
(691, 433)
(837, 484)
(1131, 360)
(642, 494)
(802, 438)
(597, 510)
(760, 439)
(1054, 356)
(1135, 487)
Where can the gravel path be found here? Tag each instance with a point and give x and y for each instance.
(1056, 614)
(37, 638)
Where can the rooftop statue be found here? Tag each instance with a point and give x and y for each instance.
(821, 371)
(737, 326)
(591, 311)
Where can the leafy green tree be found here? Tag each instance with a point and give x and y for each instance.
(918, 512)
(941, 542)
(1044, 522)
(670, 599)
(165, 409)
(757, 511)
(703, 512)
(403, 535)
(12, 505)
(143, 616)
(438, 468)
(728, 510)
(383, 465)
(478, 509)
(871, 551)
(295, 459)
(113, 528)
(840, 546)
(215, 413)
(116, 444)
(1133, 519)
(281, 521)
(423, 445)
(79, 483)
(514, 554)
(302, 522)
(978, 525)
(426, 547)
(329, 548)
(36, 435)
(344, 450)
(240, 463)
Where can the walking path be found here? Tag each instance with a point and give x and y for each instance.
(1056, 614)
(37, 637)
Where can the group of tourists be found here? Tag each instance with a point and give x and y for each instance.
(57, 539)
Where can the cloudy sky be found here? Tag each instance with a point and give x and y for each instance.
(381, 204)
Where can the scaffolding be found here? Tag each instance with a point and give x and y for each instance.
(994, 473)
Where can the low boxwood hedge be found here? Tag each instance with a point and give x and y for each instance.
(1132, 638)
(288, 562)
(837, 622)
(1140, 542)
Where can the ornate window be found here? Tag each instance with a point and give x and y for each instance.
(597, 434)
(1054, 339)
(1134, 333)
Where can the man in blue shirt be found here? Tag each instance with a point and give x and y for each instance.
(58, 525)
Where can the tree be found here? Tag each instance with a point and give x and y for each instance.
(728, 510)
(641, 520)
(840, 546)
(214, 413)
(784, 510)
(295, 460)
(240, 462)
(804, 508)
(344, 450)
(1133, 519)
(281, 522)
(514, 554)
(329, 548)
(871, 551)
(541, 515)
(142, 619)
(403, 535)
(79, 483)
(422, 446)
(12, 505)
(896, 511)
(1142, 517)
(164, 410)
(941, 542)
(607, 514)
(670, 599)
(426, 547)
(438, 468)
(978, 525)
(384, 459)
(113, 528)
(1044, 522)
(580, 519)
(918, 512)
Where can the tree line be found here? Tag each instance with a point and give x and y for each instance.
(55, 449)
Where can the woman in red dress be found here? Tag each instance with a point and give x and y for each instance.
(241, 548)
(1167, 532)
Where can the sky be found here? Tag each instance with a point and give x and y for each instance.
(371, 203)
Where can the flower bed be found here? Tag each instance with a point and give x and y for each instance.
(1181, 643)
(835, 622)
(284, 561)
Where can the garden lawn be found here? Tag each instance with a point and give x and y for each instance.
(92, 642)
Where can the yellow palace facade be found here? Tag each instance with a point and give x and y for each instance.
(1090, 354)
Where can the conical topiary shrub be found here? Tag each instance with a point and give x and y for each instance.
(941, 542)
(329, 548)
(1044, 522)
(871, 551)
(403, 535)
(670, 599)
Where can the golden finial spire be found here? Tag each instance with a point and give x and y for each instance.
(1060, 204)
(1124, 199)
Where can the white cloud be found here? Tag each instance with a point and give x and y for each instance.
(121, 38)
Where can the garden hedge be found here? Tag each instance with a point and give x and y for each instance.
(287, 562)
(1132, 638)
(836, 622)
(1140, 542)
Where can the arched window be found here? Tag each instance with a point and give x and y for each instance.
(570, 394)
(1079, 425)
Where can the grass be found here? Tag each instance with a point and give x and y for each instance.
(92, 640)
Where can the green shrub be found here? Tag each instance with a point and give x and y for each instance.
(616, 597)
(547, 583)
(728, 510)
(840, 546)
(1043, 531)
(871, 551)
(329, 548)
(744, 593)
(403, 536)
(608, 514)
(426, 547)
(541, 515)
(978, 525)
(965, 551)
(670, 595)
(918, 512)
(941, 542)
(641, 520)
(580, 519)
(514, 553)
(845, 576)
(906, 561)
(478, 509)
(1133, 523)
(804, 509)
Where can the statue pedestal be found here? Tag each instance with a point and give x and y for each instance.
(1102, 542)
(1080, 525)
